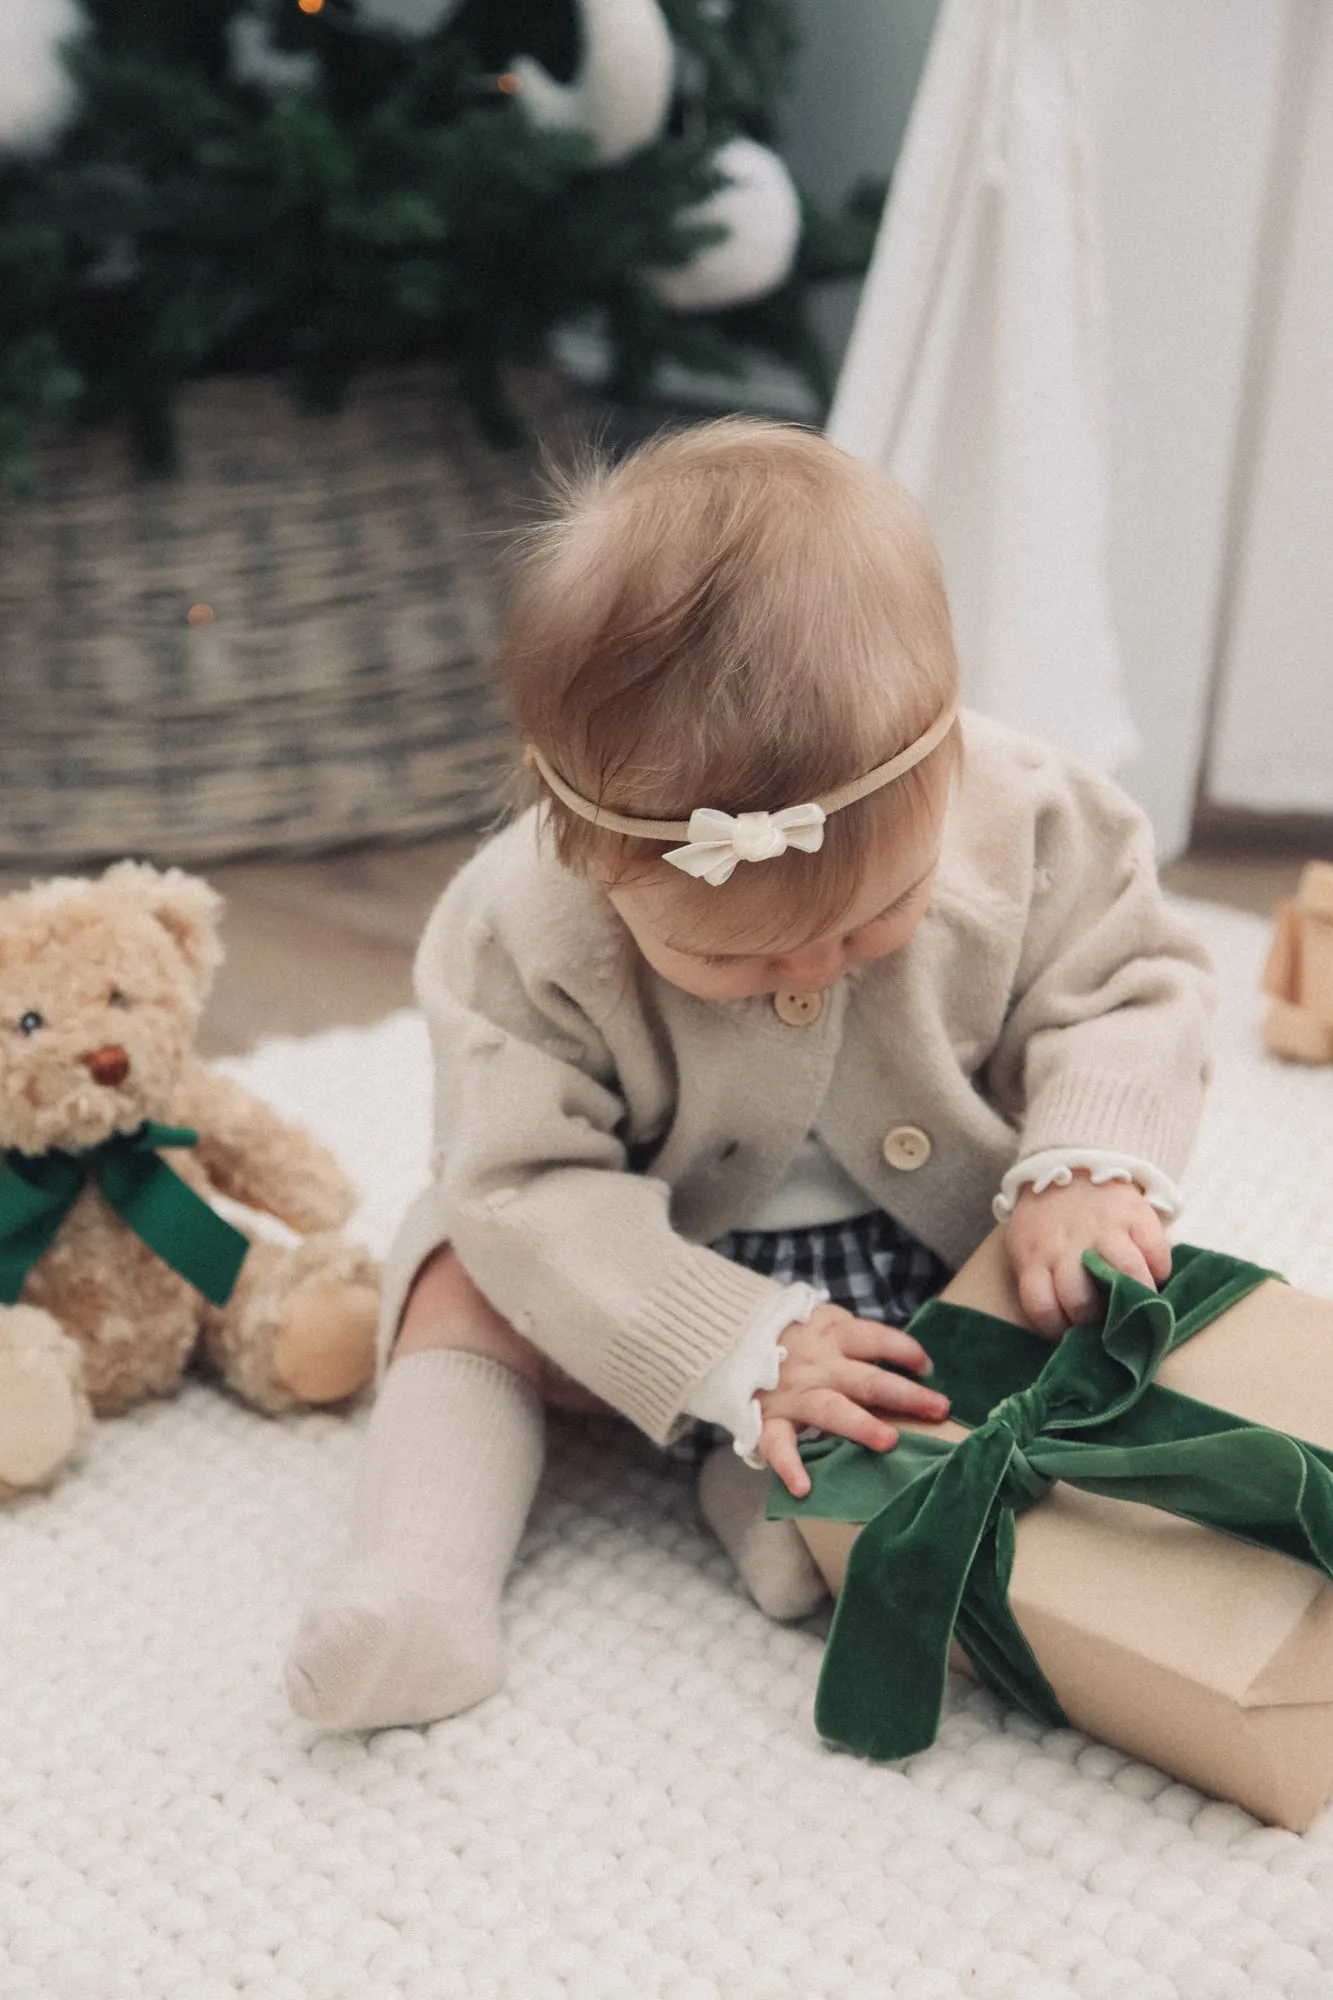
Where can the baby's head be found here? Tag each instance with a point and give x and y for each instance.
(739, 616)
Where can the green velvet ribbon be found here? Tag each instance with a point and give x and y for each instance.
(935, 1556)
(37, 1192)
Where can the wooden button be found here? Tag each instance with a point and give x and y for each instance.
(798, 1010)
(907, 1147)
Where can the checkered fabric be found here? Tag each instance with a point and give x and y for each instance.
(870, 1265)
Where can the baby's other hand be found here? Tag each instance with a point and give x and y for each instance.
(829, 1380)
(1048, 1233)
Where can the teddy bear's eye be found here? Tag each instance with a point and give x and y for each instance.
(115, 998)
(31, 1022)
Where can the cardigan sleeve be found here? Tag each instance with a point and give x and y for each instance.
(531, 1186)
(1105, 1044)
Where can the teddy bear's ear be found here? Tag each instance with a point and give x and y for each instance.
(187, 909)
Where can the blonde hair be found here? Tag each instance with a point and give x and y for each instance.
(737, 615)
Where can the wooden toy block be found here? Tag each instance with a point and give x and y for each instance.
(1297, 1034)
(1299, 972)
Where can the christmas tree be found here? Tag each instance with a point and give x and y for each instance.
(314, 186)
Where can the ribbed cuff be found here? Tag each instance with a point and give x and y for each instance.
(728, 1393)
(682, 1329)
(1058, 1167)
(1096, 1111)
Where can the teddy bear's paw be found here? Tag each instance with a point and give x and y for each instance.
(324, 1351)
(300, 1326)
(44, 1411)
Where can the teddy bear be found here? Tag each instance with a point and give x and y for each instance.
(117, 1269)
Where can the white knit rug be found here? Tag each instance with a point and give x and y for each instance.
(645, 1813)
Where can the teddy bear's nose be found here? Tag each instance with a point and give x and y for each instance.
(110, 1065)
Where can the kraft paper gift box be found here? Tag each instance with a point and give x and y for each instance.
(1188, 1622)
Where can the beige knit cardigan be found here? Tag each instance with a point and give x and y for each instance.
(596, 1127)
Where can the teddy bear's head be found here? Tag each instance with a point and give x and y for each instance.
(101, 987)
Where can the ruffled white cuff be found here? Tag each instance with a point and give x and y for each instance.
(727, 1394)
(1057, 1167)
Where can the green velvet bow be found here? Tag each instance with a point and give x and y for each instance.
(935, 1556)
(37, 1192)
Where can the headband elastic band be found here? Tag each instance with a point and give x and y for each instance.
(679, 829)
(716, 841)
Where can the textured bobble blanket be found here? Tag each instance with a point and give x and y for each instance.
(645, 1813)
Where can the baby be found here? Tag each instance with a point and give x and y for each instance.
(793, 980)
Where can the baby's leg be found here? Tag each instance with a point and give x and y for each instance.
(407, 1628)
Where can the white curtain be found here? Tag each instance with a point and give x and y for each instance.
(1273, 731)
(975, 374)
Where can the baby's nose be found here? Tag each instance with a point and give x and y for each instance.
(110, 1065)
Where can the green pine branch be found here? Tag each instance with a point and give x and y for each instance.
(398, 207)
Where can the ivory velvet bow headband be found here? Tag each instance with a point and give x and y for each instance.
(715, 841)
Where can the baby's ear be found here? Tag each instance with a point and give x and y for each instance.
(185, 906)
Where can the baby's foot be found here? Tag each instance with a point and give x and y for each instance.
(775, 1565)
(377, 1649)
(408, 1629)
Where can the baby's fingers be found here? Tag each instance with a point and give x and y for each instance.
(1041, 1307)
(841, 1417)
(880, 1388)
(1152, 1239)
(868, 1340)
(777, 1444)
(1122, 1253)
(1078, 1296)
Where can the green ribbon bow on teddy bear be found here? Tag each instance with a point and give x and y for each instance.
(936, 1554)
(37, 1192)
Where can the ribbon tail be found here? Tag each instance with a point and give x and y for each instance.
(714, 863)
(157, 1136)
(36, 1194)
(992, 1637)
(886, 1664)
(177, 1224)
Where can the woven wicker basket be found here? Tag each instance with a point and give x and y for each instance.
(284, 648)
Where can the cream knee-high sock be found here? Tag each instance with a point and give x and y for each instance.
(407, 1628)
(775, 1565)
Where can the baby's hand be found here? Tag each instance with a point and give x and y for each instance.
(1048, 1233)
(829, 1380)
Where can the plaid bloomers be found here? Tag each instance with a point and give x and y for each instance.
(870, 1265)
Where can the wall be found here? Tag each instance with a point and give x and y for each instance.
(1272, 745)
(856, 76)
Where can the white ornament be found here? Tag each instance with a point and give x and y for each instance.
(409, 17)
(622, 92)
(762, 214)
(35, 92)
(255, 59)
